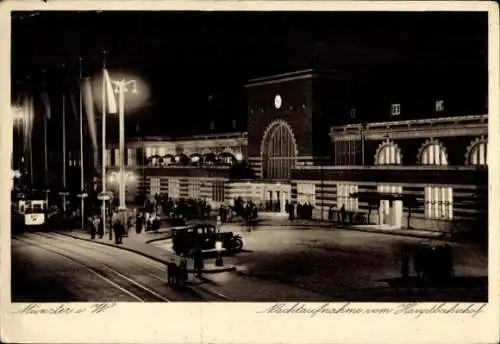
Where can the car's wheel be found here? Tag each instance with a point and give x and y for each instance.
(237, 245)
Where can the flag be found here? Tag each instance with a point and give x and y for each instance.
(88, 103)
(45, 100)
(110, 97)
(74, 109)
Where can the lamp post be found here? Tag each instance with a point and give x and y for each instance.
(218, 248)
(121, 89)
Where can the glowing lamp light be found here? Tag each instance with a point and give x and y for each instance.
(177, 158)
(17, 113)
(16, 174)
(137, 93)
(218, 246)
(112, 178)
(239, 156)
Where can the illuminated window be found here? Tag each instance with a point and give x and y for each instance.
(347, 152)
(194, 188)
(388, 189)
(433, 154)
(395, 109)
(439, 105)
(439, 203)
(154, 185)
(388, 154)
(161, 151)
(117, 157)
(174, 188)
(344, 192)
(108, 157)
(218, 191)
(149, 152)
(131, 156)
(306, 193)
(478, 154)
(278, 152)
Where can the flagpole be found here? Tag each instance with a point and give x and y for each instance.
(46, 159)
(30, 140)
(103, 170)
(64, 147)
(82, 204)
(46, 154)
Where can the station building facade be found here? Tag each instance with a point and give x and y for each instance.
(321, 137)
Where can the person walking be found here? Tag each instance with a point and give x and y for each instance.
(198, 262)
(93, 228)
(117, 228)
(100, 230)
(343, 214)
(171, 271)
(183, 273)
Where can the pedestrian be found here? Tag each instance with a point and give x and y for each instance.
(183, 273)
(93, 228)
(138, 223)
(170, 271)
(118, 229)
(198, 262)
(343, 214)
(100, 231)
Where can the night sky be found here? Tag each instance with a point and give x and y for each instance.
(198, 62)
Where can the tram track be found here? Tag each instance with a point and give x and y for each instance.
(127, 285)
(151, 269)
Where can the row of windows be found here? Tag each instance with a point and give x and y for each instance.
(396, 108)
(438, 201)
(344, 198)
(226, 159)
(433, 152)
(194, 188)
(306, 193)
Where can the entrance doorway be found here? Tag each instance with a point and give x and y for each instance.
(276, 196)
(390, 211)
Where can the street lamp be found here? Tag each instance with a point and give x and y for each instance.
(218, 248)
(121, 89)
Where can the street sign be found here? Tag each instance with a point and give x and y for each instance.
(103, 197)
(64, 193)
(83, 195)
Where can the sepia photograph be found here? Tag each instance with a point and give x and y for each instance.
(249, 172)
(212, 157)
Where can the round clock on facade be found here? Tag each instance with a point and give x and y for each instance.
(277, 101)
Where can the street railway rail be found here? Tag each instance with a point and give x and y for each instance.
(133, 284)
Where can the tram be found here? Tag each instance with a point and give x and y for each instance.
(34, 212)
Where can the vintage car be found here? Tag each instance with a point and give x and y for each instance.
(187, 238)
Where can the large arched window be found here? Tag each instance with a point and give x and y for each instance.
(388, 153)
(477, 152)
(433, 153)
(438, 199)
(278, 151)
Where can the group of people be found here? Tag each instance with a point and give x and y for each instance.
(304, 211)
(119, 224)
(429, 262)
(190, 208)
(247, 210)
(178, 274)
(343, 217)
